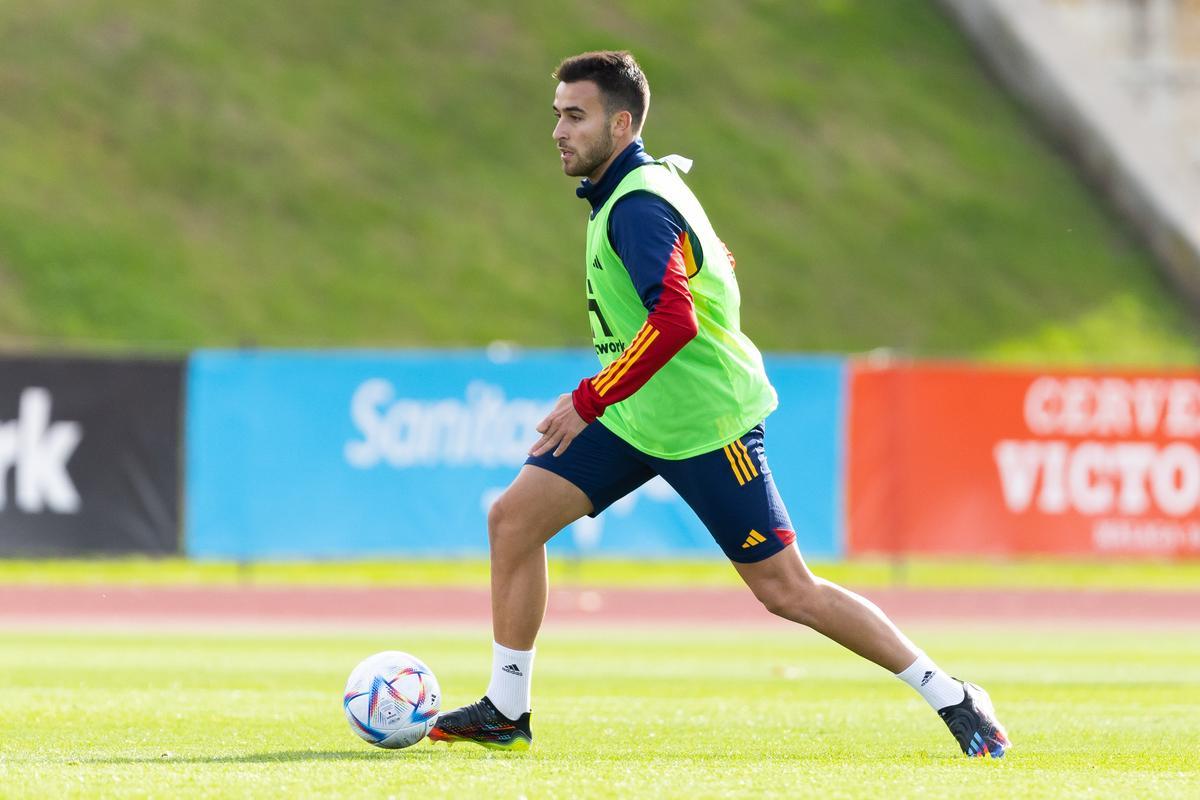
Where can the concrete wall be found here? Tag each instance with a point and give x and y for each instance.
(1079, 94)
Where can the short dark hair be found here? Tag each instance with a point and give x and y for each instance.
(622, 83)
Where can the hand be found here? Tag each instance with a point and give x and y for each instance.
(559, 428)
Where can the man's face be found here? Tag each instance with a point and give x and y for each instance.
(583, 133)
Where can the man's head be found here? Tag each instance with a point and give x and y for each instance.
(601, 102)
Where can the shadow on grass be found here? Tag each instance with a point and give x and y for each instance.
(280, 757)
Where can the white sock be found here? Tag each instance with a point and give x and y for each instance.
(512, 674)
(938, 688)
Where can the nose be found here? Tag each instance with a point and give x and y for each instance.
(558, 135)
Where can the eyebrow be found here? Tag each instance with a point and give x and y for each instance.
(579, 109)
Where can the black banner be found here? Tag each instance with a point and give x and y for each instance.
(89, 456)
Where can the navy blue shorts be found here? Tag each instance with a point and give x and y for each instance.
(730, 489)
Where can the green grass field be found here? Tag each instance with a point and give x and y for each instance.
(647, 713)
(920, 573)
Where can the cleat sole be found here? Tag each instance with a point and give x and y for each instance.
(518, 745)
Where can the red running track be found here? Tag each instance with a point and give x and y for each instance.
(233, 605)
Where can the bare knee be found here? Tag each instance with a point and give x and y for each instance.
(501, 521)
(797, 601)
(512, 529)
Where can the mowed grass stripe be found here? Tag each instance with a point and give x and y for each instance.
(617, 714)
(915, 573)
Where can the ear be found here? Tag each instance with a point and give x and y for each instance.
(622, 123)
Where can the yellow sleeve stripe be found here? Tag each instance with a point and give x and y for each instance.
(728, 450)
(636, 354)
(637, 348)
(689, 258)
(604, 374)
(615, 365)
(746, 460)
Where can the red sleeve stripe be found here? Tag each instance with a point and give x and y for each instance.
(607, 384)
(615, 365)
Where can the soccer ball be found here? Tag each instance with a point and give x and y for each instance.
(392, 699)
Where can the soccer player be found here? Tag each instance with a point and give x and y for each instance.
(682, 394)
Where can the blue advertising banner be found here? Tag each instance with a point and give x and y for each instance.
(361, 454)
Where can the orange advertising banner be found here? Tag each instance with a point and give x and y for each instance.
(962, 460)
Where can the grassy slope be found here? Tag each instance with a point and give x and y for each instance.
(619, 714)
(181, 172)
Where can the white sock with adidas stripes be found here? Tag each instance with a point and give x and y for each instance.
(938, 688)
(512, 675)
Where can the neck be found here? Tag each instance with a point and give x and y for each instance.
(618, 148)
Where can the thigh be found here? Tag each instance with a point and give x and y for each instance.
(599, 464)
(778, 575)
(733, 493)
(538, 504)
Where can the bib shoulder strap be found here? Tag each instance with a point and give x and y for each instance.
(677, 162)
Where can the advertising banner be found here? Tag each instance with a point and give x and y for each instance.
(960, 460)
(358, 454)
(89, 456)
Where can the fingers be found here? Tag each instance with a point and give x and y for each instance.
(559, 438)
(564, 444)
(544, 425)
(558, 429)
(552, 431)
(548, 441)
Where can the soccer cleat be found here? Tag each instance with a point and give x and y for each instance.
(483, 724)
(974, 725)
